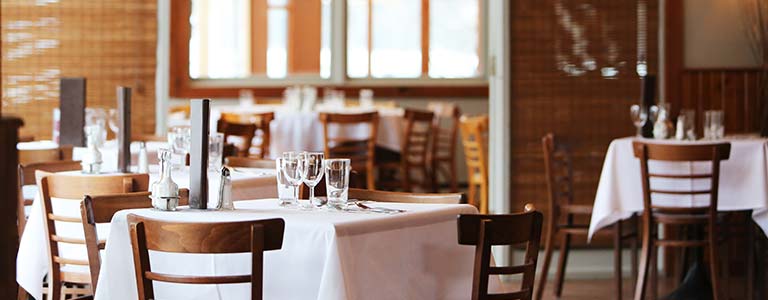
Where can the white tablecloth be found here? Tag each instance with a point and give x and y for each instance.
(108, 151)
(325, 255)
(32, 260)
(302, 131)
(743, 182)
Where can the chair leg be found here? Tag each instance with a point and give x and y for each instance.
(22, 294)
(750, 257)
(645, 257)
(617, 274)
(633, 243)
(548, 247)
(654, 284)
(714, 268)
(562, 261)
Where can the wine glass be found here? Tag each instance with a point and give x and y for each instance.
(312, 172)
(291, 170)
(639, 115)
(113, 120)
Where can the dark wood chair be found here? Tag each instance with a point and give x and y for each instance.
(361, 152)
(74, 188)
(655, 213)
(27, 177)
(253, 237)
(246, 162)
(99, 210)
(245, 131)
(474, 138)
(413, 156)
(485, 231)
(262, 132)
(562, 223)
(386, 196)
(444, 139)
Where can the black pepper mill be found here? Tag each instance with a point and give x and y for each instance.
(647, 95)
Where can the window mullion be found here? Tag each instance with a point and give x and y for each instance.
(424, 38)
(339, 42)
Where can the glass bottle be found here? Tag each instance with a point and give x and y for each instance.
(165, 192)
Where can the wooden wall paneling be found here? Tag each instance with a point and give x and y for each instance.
(304, 36)
(732, 90)
(259, 36)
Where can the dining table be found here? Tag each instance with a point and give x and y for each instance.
(327, 254)
(108, 149)
(33, 260)
(299, 130)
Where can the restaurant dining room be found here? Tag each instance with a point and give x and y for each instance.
(384, 149)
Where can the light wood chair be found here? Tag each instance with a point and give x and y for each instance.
(27, 177)
(664, 214)
(99, 210)
(43, 155)
(444, 139)
(386, 196)
(253, 237)
(262, 132)
(245, 131)
(562, 224)
(74, 188)
(413, 156)
(148, 138)
(485, 231)
(361, 152)
(474, 137)
(246, 162)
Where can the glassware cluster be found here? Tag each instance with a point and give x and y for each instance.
(296, 168)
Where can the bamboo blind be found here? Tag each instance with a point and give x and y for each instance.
(109, 42)
(553, 90)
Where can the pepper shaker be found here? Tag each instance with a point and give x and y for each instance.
(143, 160)
(225, 191)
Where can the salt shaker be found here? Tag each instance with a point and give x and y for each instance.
(680, 131)
(225, 191)
(165, 192)
(143, 160)
(91, 161)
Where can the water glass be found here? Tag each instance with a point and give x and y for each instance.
(286, 192)
(179, 138)
(639, 115)
(689, 124)
(337, 181)
(290, 169)
(215, 151)
(312, 173)
(713, 125)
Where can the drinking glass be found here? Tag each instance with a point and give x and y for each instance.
(689, 124)
(639, 115)
(312, 173)
(286, 192)
(113, 120)
(290, 167)
(180, 138)
(215, 151)
(337, 181)
(713, 125)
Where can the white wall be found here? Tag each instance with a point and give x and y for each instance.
(715, 35)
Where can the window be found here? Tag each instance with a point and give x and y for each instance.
(274, 43)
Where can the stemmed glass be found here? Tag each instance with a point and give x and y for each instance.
(312, 172)
(639, 115)
(180, 139)
(291, 170)
(113, 121)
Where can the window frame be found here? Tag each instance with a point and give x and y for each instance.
(183, 86)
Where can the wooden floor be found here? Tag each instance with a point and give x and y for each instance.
(595, 289)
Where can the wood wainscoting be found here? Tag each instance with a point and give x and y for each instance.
(735, 91)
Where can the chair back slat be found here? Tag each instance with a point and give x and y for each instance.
(227, 237)
(414, 154)
(485, 231)
(245, 131)
(474, 138)
(247, 162)
(386, 196)
(29, 156)
(362, 151)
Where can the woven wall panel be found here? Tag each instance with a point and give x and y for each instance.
(109, 42)
(588, 110)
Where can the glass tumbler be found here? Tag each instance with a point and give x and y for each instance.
(337, 181)
(286, 191)
(215, 151)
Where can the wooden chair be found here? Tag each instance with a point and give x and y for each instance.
(230, 237)
(443, 157)
(245, 162)
(73, 188)
(27, 177)
(474, 137)
(43, 155)
(386, 196)
(361, 152)
(485, 231)
(245, 131)
(684, 215)
(413, 156)
(100, 209)
(262, 132)
(562, 224)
